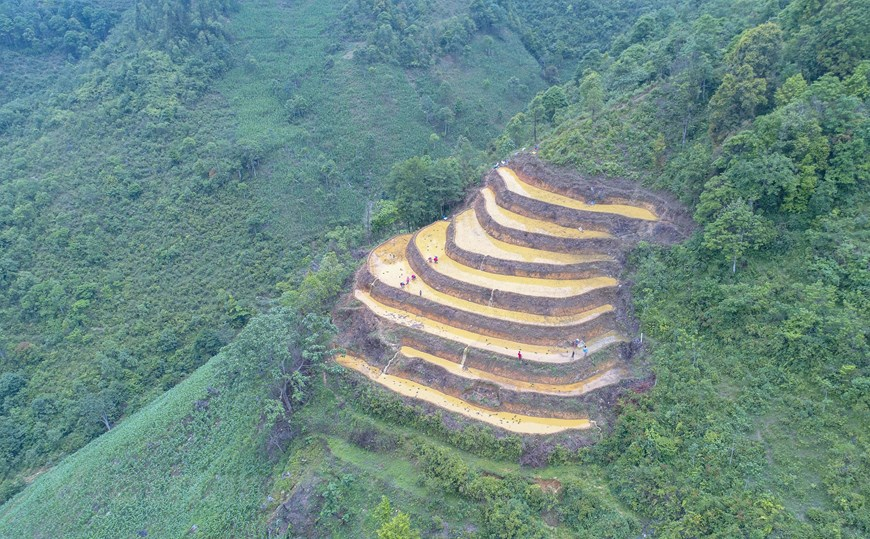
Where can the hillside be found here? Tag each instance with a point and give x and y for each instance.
(205, 459)
(187, 198)
(758, 324)
(155, 190)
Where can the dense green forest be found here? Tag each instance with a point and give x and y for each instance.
(182, 179)
(758, 423)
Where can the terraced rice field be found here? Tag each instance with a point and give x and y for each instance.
(514, 300)
(510, 219)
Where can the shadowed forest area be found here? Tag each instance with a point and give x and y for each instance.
(187, 188)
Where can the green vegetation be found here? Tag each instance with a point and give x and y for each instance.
(425, 188)
(168, 181)
(396, 526)
(563, 34)
(72, 27)
(759, 324)
(155, 192)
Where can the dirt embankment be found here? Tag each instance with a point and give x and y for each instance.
(617, 225)
(491, 327)
(580, 270)
(510, 367)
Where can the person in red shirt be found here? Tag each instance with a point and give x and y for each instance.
(520, 355)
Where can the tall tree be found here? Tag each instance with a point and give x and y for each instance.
(736, 231)
(736, 100)
(760, 48)
(553, 100)
(592, 92)
(423, 188)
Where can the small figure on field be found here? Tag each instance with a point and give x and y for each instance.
(520, 355)
(435, 259)
(430, 260)
(585, 351)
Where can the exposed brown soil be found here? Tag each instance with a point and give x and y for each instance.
(674, 223)
(510, 300)
(511, 367)
(545, 241)
(297, 515)
(550, 486)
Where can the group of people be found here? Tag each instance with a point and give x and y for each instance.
(407, 282)
(578, 343)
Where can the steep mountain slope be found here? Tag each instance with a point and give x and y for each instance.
(758, 324)
(154, 192)
(756, 422)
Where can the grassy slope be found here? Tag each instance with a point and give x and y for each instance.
(164, 470)
(363, 117)
(781, 433)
